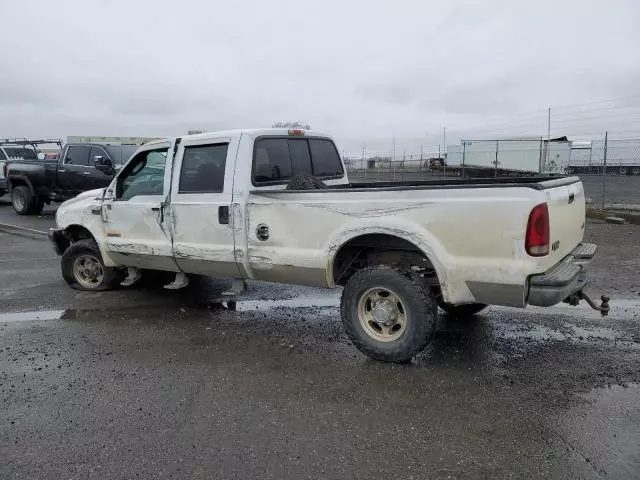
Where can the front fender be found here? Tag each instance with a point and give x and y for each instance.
(84, 211)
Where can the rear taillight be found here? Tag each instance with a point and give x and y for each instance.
(537, 239)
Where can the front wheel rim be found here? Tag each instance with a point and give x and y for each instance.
(88, 271)
(382, 314)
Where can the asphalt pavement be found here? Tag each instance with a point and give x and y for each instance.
(146, 383)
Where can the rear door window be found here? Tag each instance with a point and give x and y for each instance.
(202, 169)
(77, 155)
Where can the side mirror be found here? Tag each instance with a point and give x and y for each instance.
(103, 164)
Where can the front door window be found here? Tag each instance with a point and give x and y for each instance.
(144, 175)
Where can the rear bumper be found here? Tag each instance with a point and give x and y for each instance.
(58, 240)
(562, 280)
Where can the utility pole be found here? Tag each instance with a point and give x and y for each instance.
(546, 153)
(464, 154)
(604, 168)
(444, 139)
(393, 157)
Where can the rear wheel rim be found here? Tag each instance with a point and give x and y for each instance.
(18, 201)
(382, 314)
(88, 271)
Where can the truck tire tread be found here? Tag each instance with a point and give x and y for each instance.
(304, 181)
(420, 303)
(37, 204)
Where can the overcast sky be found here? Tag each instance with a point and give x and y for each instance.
(365, 71)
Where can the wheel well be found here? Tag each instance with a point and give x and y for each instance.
(378, 249)
(75, 233)
(18, 182)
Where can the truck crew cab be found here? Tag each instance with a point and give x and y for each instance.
(222, 204)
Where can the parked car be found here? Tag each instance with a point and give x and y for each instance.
(216, 204)
(13, 151)
(80, 167)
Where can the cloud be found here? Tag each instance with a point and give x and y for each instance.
(364, 71)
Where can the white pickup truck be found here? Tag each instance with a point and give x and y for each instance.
(221, 204)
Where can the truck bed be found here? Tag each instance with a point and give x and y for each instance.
(535, 183)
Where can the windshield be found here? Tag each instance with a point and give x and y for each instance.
(21, 152)
(121, 153)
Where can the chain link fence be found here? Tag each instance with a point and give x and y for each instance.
(609, 168)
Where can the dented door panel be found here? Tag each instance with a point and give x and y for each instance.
(135, 234)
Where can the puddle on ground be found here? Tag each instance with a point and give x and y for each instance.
(605, 429)
(241, 306)
(563, 333)
(300, 302)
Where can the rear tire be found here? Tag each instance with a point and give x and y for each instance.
(83, 268)
(388, 315)
(463, 311)
(36, 206)
(21, 199)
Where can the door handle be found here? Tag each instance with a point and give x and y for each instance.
(159, 209)
(61, 170)
(86, 173)
(223, 215)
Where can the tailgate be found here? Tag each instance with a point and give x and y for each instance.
(565, 199)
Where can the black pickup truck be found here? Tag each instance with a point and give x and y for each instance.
(80, 167)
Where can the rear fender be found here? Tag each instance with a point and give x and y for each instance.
(15, 180)
(427, 244)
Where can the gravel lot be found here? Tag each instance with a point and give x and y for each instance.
(145, 383)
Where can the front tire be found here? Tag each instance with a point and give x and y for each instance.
(83, 268)
(388, 315)
(21, 200)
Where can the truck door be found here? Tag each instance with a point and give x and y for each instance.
(97, 178)
(203, 237)
(133, 211)
(73, 170)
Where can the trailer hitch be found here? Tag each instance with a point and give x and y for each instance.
(603, 308)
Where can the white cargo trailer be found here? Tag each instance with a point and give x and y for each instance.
(509, 156)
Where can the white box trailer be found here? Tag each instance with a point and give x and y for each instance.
(623, 157)
(511, 155)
